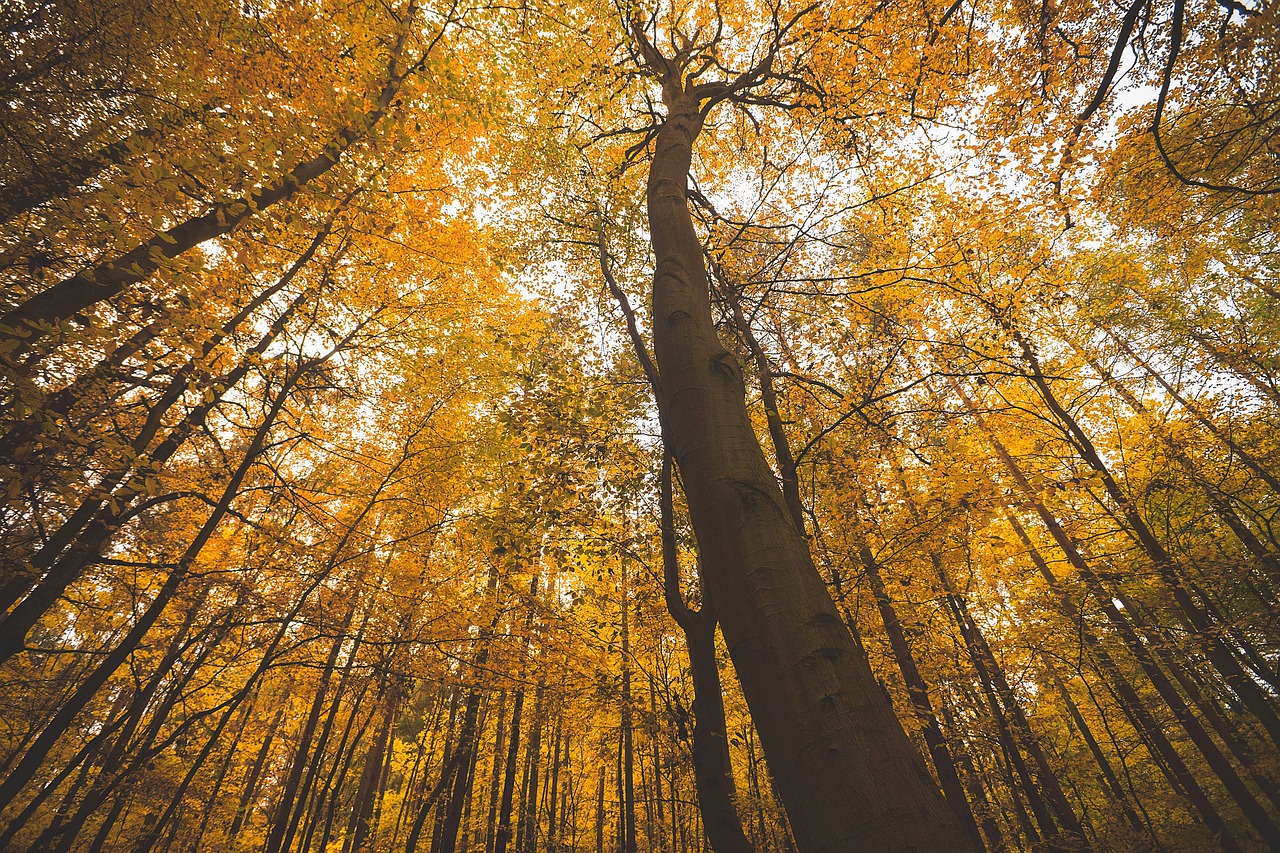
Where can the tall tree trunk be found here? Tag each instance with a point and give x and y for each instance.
(527, 832)
(502, 836)
(1221, 507)
(81, 536)
(713, 770)
(628, 804)
(600, 811)
(495, 775)
(36, 753)
(847, 773)
(553, 782)
(1112, 782)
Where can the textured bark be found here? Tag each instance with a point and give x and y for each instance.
(783, 456)
(846, 771)
(713, 770)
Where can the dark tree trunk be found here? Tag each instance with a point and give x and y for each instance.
(918, 693)
(255, 772)
(527, 834)
(502, 835)
(847, 773)
(371, 778)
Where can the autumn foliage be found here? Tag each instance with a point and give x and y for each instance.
(682, 426)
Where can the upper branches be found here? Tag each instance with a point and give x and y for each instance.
(766, 79)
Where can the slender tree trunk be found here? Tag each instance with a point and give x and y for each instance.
(1266, 559)
(1005, 707)
(712, 768)
(346, 762)
(918, 694)
(371, 779)
(468, 740)
(628, 804)
(36, 753)
(495, 775)
(527, 833)
(326, 798)
(600, 811)
(80, 538)
(553, 783)
(502, 836)
(1112, 782)
(255, 772)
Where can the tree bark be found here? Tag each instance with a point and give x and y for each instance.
(847, 773)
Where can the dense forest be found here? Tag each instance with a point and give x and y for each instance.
(675, 425)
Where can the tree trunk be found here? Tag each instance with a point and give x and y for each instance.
(918, 693)
(527, 834)
(502, 836)
(62, 720)
(371, 777)
(847, 773)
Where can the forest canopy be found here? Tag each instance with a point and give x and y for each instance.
(692, 425)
